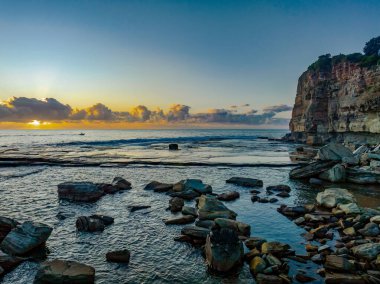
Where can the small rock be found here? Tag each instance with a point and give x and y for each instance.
(269, 279)
(350, 208)
(339, 278)
(303, 278)
(79, 191)
(257, 265)
(239, 227)
(121, 184)
(273, 200)
(299, 221)
(283, 194)
(210, 208)
(315, 181)
(370, 230)
(375, 219)
(254, 242)
(119, 256)
(275, 248)
(158, 186)
(331, 197)
(338, 263)
(187, 210)
(195, 232)
(350, 231)
(88, 224)
(228, 196)
(180, 220)
(246, 182)
(6, 225)
(173, 147)
(176, 204)
(280, 187)
(138, 207)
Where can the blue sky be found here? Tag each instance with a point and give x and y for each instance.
(204, 54)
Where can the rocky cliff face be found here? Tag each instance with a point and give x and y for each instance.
(340, 101)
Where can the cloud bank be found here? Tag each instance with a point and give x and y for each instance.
(22, 109)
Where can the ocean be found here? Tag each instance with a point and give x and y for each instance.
(33, 163)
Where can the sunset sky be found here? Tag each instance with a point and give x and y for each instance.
(196, 62)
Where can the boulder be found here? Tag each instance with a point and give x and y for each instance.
(336, 174)
(257, 265)
(25, 237)
(209, 224)
(334, 151)
(158, 186)
(367, 251)
(224, 250)
(370, 230)
(88, 224)
(280, 187)
(173, 147)
(254, 242)
(187, 210)
(190, 188)
(375, 219)
(186, 219)
(195, 232)
(246, 182)
(311, 170)
(121, 256)
(9, 262)
(79, 191)
(362, 176)
(228, 196)
(340, 278)
(107, 188)
(6, 225)
(121, 184)
(350, 208)
(275, 248)
(240, 227)
(64, 271)
(107, 220)
(339, 263)
(210, 208)
(176, 204)
(331, 197)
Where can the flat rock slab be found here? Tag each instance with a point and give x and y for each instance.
(311, 170)
(65, 272)
(79, 191)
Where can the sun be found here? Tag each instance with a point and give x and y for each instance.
(35, 123)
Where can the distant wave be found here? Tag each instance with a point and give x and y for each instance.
(149, 141)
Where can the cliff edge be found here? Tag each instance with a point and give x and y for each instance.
(338, 98)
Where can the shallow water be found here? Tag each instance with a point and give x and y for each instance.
(30, 193)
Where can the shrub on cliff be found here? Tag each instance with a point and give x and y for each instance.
(372, 47)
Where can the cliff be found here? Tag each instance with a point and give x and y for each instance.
(338, 98)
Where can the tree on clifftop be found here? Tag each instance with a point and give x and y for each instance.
(372, 47)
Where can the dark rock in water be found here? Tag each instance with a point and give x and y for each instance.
(191, 187)
(176, 204)
(228, 196)
(241, 228)
(64, 271)
(88, 224)
(273, 200)
(292, 211)
(255, 191)
(224, 250)
(315, 181)
(210, 208)
(173, 147)
(157, 186)
(246, 182)
(6, 225)
(208, 224)
(79, 191)
(25, 237)
(9, 262)
(180, 220)
(122, 256)
(121, 184)
(334, 151)
(303, 278)
(107, 220)
(255, 198)
(107, 188)
(263, 200)
(138, 207)
(280, 187)
(195, 232)
(283, 194)
(311, 170)
(187, 210)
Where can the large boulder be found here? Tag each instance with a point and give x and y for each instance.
(191, 188)
(157, 186)
(367, 251)
(246, 182)
(65, 272)
(334, 151)
(210, 208)
(6, 225)
(224, 250)
(25, 238)
(311, 170)
(79, 191)
(336, 174)
(195, 232)
(332, 197)
(241, 228)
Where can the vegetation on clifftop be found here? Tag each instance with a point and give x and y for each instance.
(371, 57)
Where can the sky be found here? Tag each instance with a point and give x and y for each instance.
(219, 61)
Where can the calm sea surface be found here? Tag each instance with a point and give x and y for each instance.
(30, 193)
